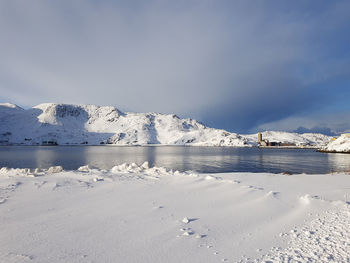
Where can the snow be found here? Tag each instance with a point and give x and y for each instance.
(55, 169)
(7, 109)
(315, 139)
(318, 241)
(341, 144)
(10, 106)
(95, 125)
(137, 213)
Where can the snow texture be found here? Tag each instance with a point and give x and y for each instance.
(137, 213)
(66, 124)
(325, 239)
(341, 144)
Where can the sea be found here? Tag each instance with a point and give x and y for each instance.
(181, 158)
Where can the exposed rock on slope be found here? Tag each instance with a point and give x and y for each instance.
(51, 123)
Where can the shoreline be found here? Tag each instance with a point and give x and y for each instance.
(164, 145)
(326, 151)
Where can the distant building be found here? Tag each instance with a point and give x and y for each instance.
(267, 143)
(271, 144)
(287, 144)
(264, 143)
(49, 143)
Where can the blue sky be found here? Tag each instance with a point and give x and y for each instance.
(239, 65)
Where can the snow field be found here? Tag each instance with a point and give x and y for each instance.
(134, 213)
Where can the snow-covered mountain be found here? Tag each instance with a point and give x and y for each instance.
(93, 125)
(341, 144)
(90, 124)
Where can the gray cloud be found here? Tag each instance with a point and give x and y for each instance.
(230, 64)
(334, 122)
(316, 129)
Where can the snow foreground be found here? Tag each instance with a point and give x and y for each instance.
(341, 145)
(134, 213)
(65, 124)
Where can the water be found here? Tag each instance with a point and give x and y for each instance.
(201, 159)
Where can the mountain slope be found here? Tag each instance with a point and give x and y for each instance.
(342, 145)
(67, 124)
(90, 124)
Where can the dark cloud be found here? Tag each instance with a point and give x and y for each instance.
(230, 64)
(323, 130)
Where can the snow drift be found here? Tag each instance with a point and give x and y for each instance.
(137, 213)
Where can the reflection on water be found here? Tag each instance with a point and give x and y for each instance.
(201, 159)
(340, 162)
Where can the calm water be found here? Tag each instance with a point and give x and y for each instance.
(201, 159)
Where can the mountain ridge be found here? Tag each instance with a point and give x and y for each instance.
(71, 124)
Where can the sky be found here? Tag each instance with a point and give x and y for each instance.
(243, 66)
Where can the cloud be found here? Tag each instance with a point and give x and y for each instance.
(316, 129)
(232, 65)
(332, 123)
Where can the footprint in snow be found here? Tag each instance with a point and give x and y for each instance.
(273, 194)
(188, 233)
(187, 220)
(40, 184)
(96, 179)
(85, 184)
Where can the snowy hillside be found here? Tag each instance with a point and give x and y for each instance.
(8, 109)
(342, 144)
(315, 139)
(94, 125)
(90, 124)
